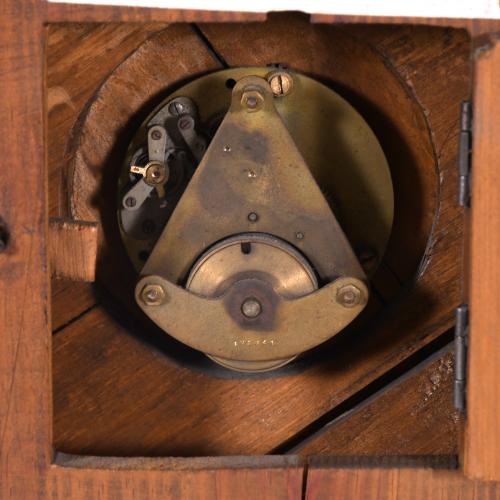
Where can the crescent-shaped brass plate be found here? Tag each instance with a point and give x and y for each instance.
(296, 326)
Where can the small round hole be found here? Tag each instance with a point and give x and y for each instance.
(246, 247)
(230, 83)
(143, 255)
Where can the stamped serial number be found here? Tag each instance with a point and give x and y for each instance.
(254, 342)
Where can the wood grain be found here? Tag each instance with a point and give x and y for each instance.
(73, 249)
(69, 300)
(249, 478)
(61, 12)
(26, 449)
(261, 414)
(25, 409)
(25, 415)
(137, 401)
(119, 411)
(475, 27)
(482, 439)
(391, 483)
(79, 58)
(108, 124)
(24, 353)
(412, 416)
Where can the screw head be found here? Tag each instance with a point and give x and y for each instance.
(251, 307)
(156, 173)
(252, 100)
(253, 217)
(299, 235)
(186, 123)
(176, 108)
(130, 201)
(153, 295)
(349, 296)
(281, 83)
(156, 135)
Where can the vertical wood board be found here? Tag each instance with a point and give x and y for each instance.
(482, 439)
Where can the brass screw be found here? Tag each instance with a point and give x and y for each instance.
(349, 296)
(251, 307)
(253, 217)
(156, 173)
(153, 295)
(252, 100)
(281, 83)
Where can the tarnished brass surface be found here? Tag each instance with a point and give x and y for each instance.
(258, 256)
(338, 146)
(245, 310)
(252, 166)
(252, 255)
(236, 269)
(212, 325)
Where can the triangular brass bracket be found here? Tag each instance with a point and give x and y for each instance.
(253, 179)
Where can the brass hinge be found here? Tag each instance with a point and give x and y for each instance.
(464, 154)
(461, 342)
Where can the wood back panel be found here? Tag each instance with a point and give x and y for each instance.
(98, 348)
(412, 416)
(25, 415)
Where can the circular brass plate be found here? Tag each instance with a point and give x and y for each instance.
(252, 255)
(337, 144)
